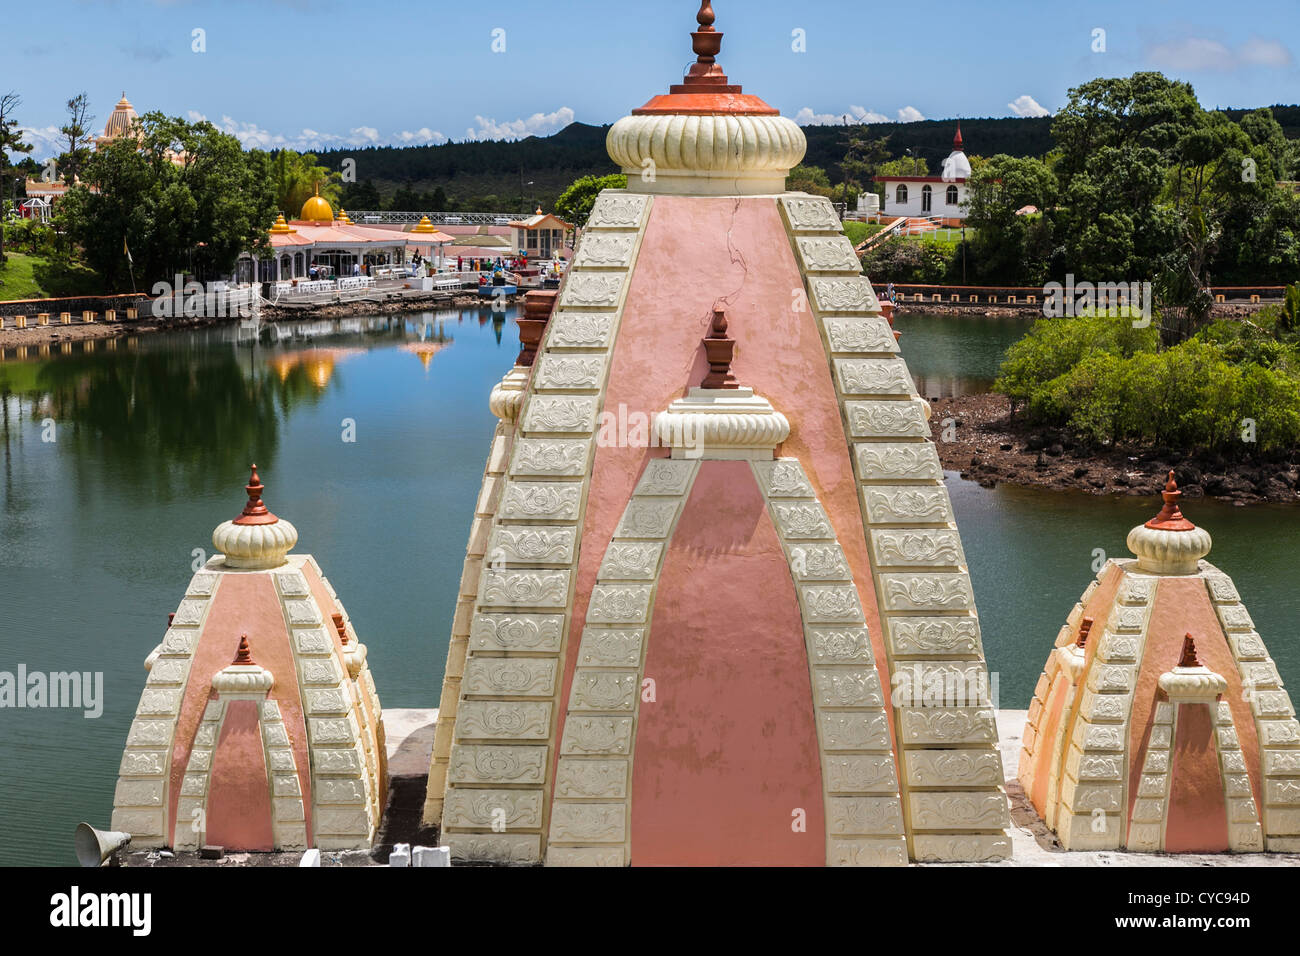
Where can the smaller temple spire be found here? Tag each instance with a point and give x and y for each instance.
(719, 349)
(1171, 517)
(255, 511)
(1085, 628)
(956, 140)
(244, 655)
(1189, 657)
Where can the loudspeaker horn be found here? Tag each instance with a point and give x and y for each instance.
(96, 846)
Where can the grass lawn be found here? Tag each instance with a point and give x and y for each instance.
(35, 277)
(860, 231)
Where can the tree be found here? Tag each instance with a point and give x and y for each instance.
(862, 157)
(901, 259)
(1008, 247)
(362, 195)
(11, 141)
(298, 176)
(77, 134)
(184, 197)
(809, 179)
(574, 204)
(1145, 110)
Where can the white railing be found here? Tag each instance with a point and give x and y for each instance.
(439, 218)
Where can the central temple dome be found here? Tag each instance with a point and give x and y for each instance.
(706, 137)
(120, 120)
(316, 209)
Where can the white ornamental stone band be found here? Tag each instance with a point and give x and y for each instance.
(722, 424)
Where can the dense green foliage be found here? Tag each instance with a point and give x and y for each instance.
(574, 204)
(1233, 389)
(489, 176)
(906, 259)
(1143, 185)
(191, 216)
(298, 177)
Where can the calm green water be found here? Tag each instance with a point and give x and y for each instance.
(153, 444)
(98, 528)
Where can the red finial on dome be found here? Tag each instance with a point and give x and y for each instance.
(718, 349)
(956, 140)
(1085, 628)
(244, 655)
(706, 89)
(1170, 517)
(1189, 658)
(255, 510)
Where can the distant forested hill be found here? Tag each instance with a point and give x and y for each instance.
(520, 175)
(931, 140)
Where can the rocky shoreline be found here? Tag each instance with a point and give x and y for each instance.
(341, 310)
(1222, 310)
(57, 334)
(976, 437)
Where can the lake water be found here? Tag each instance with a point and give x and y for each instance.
(99, 528)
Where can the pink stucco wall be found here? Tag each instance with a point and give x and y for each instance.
(239, 794)
(698, 253)
(244, 603)
(1183, 606)
(1198, 817)
(726, 756)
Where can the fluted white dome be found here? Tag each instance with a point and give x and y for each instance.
(1169, 543)
(255, 539)
(255, 546)
(706, 136)
(712, 154)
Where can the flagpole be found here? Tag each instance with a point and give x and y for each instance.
(130, 262)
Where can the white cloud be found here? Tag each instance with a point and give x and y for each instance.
(1258, 51)
(806, 117)
(909, 114)
(46, 141)
(539, 124)
(1026, 106)
(1202, 54)
(252, 136)
(420, 137)
(1192, 53)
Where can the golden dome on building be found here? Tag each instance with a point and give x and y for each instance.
(280, 227)
(316, 209)
(424, 226)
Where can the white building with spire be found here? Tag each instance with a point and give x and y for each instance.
(944, 197)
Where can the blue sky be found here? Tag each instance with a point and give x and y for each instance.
(345, 73)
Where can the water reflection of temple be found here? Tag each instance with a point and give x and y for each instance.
(425, 351)
(318, 363)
